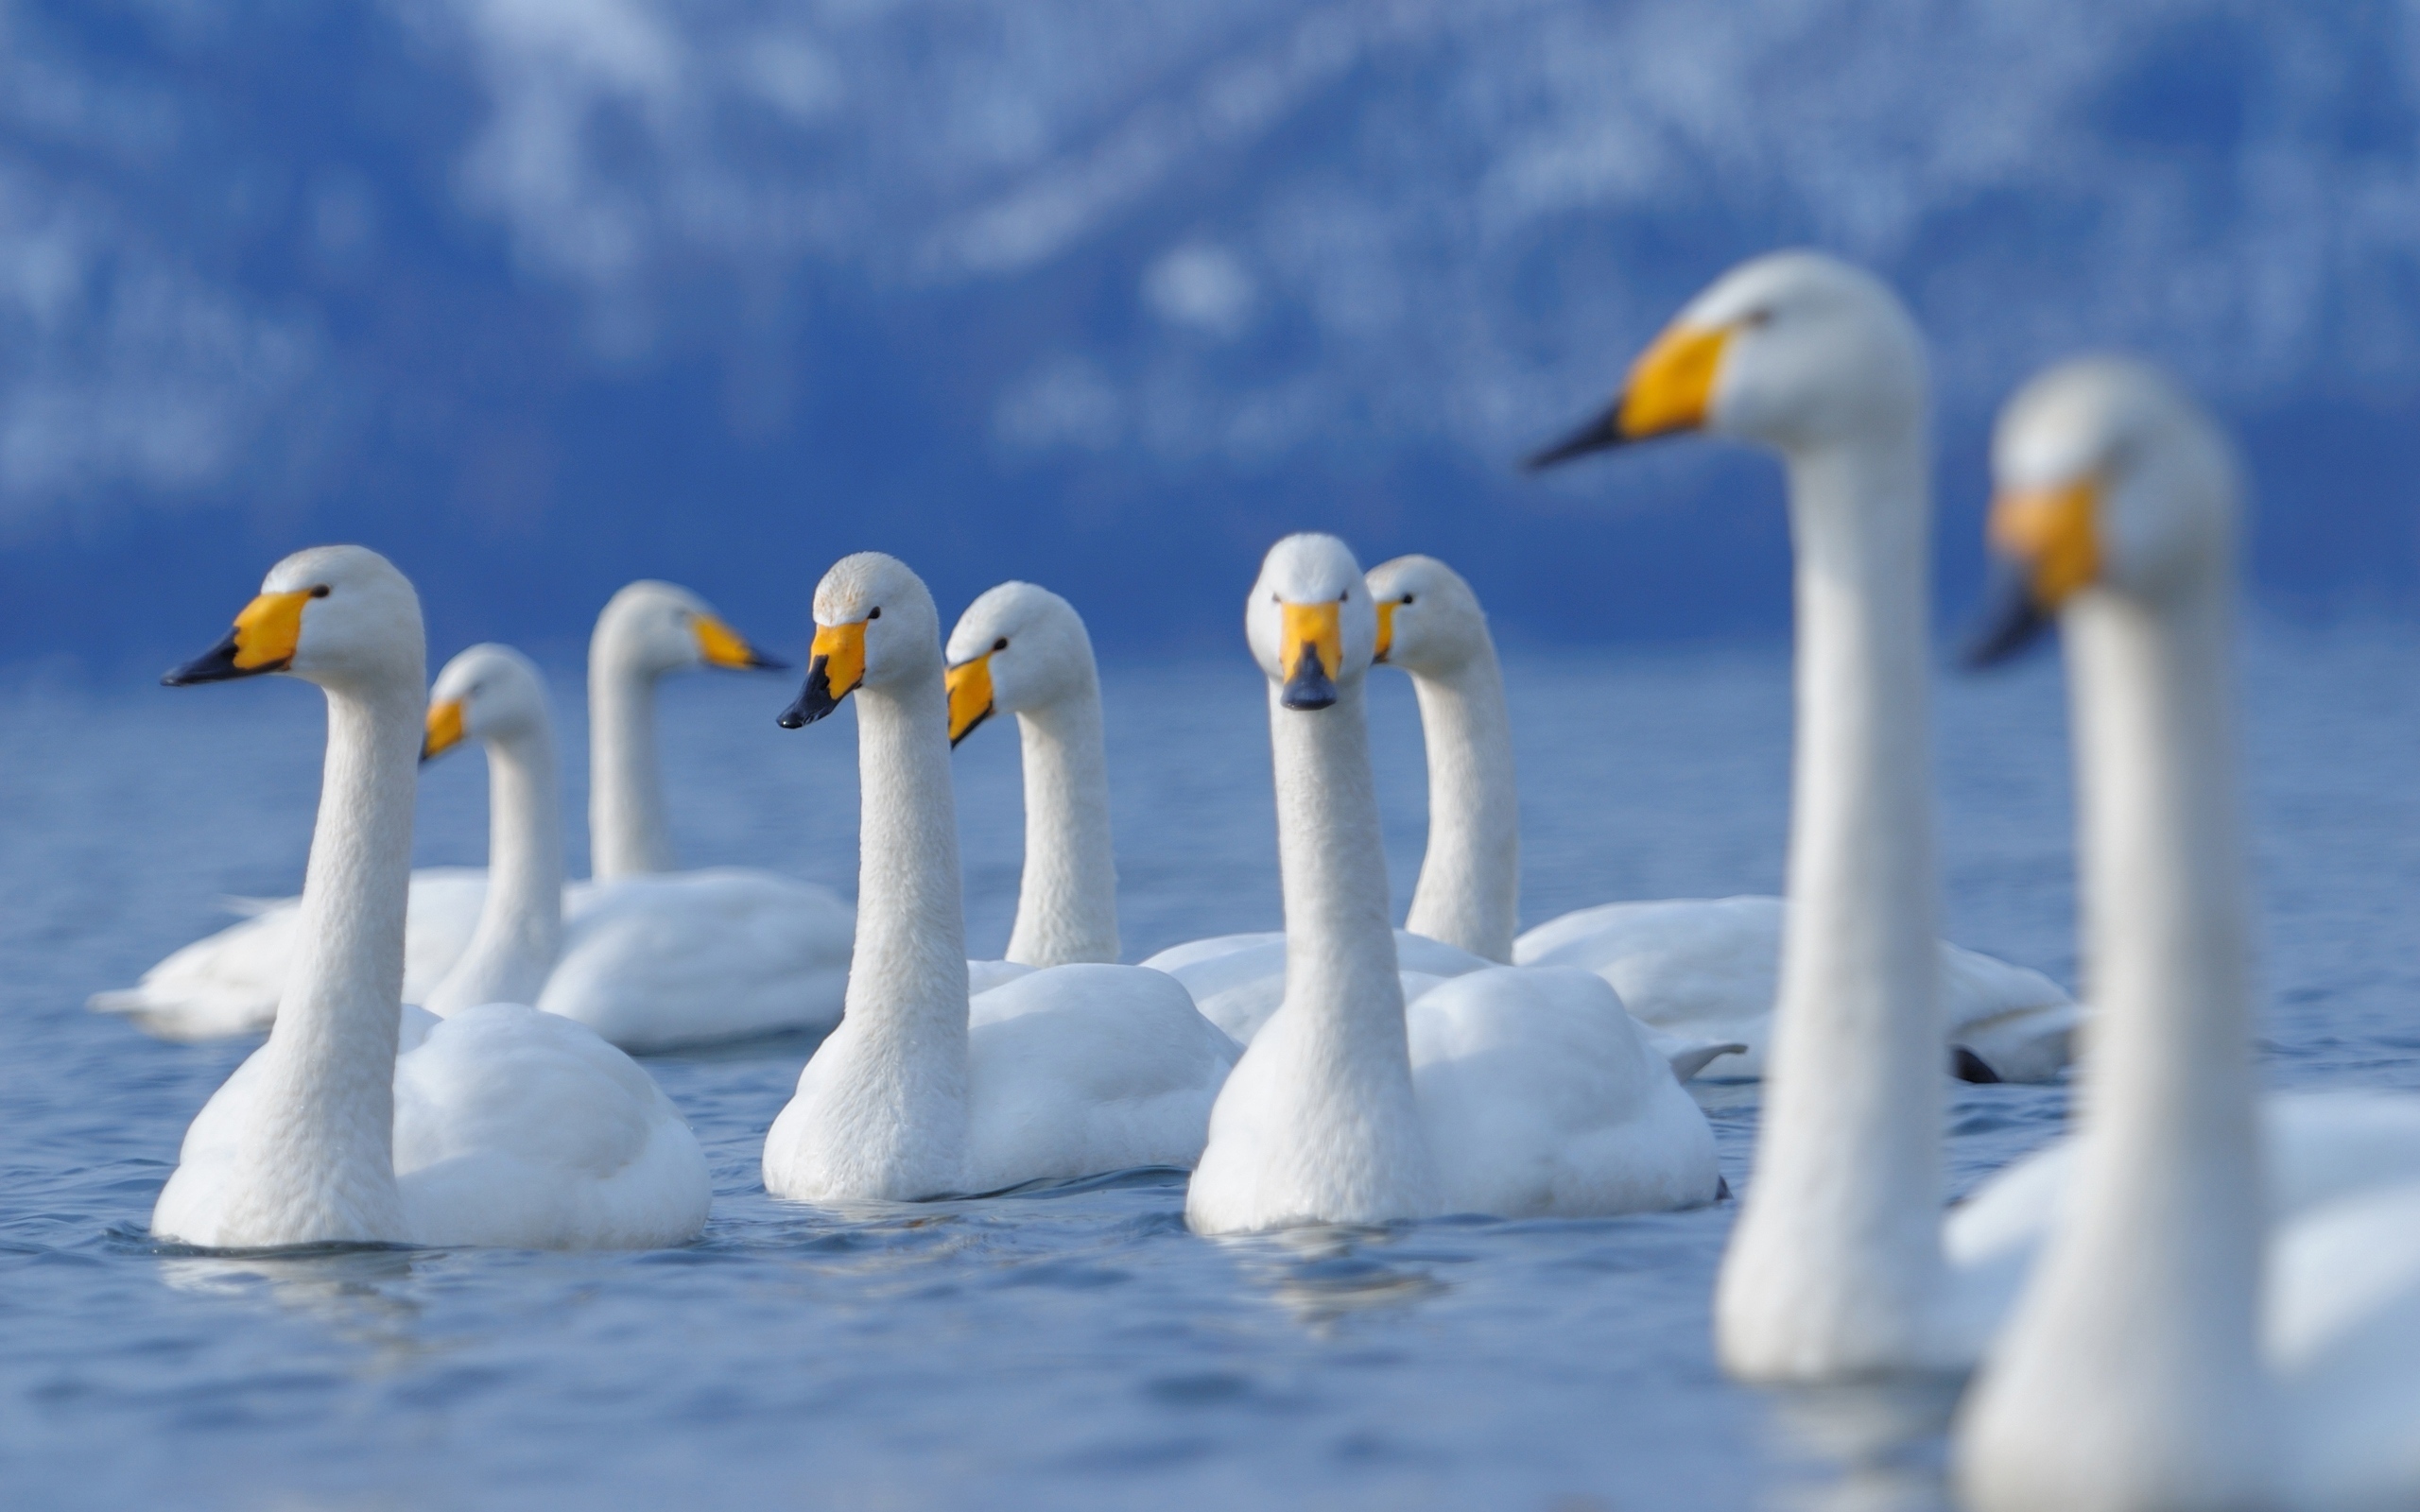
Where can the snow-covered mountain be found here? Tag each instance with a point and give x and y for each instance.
(543, 294)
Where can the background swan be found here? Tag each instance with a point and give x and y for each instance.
(1702, 969)
(228, 983)
(1064, 1072)
(501, 1126)
(651, 962)
(2132, 1373)
(1510, 1091)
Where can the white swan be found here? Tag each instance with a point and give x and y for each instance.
(2131, 1374)
(649, 961)
(1702, 969)
(1023, 650)
(500, 1125)
(1512, 1091)
(1064, 1072)
(228, 983)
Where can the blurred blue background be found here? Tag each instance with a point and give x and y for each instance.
(538, 296)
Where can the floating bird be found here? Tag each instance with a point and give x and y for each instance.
(499, 1125)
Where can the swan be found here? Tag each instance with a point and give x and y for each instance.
(1512, 1090)
(649, 961)
(1066, 1071)
(228, 983)
(1703, 969)
(1021, 649)
(2133, 1372)
(499, 1125)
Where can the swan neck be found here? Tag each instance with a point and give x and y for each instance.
(1836, 1265)
(326, 1141)
(627, 833)
(1469, 892)
(2156, 1273)
(1340, 974)
(520, 930)
(1067, 900)
(908, 976)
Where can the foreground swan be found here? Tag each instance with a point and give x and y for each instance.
(1701, 969)
(500, 1125)
(1512, 1090)
(2132, 1374)
(228, 983)
(1064, 1072)
(649, 961)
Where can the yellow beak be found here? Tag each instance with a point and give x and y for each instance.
(2055, 533)
(835, 663)
(1310, 653)
(970, 696)
(722, 646)
(263, 640)
(445, 729)
(1671, 388)
(1386, 628)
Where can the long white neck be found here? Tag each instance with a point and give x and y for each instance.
(906, 994)
(628, 833)
(1067, 901)
(1834, 1266)
(320, 1159)
(2129, 1375)
(1470, 879)
(521, 924)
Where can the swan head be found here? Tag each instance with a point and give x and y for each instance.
(1795, 349)
(338, 616)
(1309, 620)
(875, 627)
(1018, 648)
(1430, 622)
(2105, 475)
(661, 627)
(488, 693)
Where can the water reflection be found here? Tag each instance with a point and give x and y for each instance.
(364, 1295)
(1324, 1274)
(1868, 1447)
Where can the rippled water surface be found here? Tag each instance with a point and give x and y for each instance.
(1068, 1348)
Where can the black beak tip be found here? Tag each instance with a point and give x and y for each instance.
(218, 664)
(759, 662)
(1598, 433)
(1309, 689)
(2011, 622)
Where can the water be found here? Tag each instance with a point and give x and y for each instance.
(1070, 1348)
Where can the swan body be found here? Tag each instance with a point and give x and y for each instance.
(650, 961)
(1505, 1090)
(1705, 970)
(2148, 1363)
(227, 984)
(501, 1126)
(1064, 1070)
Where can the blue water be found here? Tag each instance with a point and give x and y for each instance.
(1073, 1349)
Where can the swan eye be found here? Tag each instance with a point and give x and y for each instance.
(1000, 645)
(1756, 317)
(874, 613)
(1346, 595)
(320, 591)
(1406, 598)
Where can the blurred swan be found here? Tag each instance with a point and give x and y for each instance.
(1701, 969)
(1066, 1071)
(499, 1125)
(228, 983)
(651, 962)
(1512, 1090)
(2134, 1372)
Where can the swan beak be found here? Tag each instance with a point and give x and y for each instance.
(1387, 607)
(1312, 652)
(1671, 388)
(970, 696)
(835, 665)
(2046, 547)
(445, 729)
(722, 646)
(263, 640)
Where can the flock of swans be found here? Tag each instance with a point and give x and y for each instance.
(2201, 1299)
